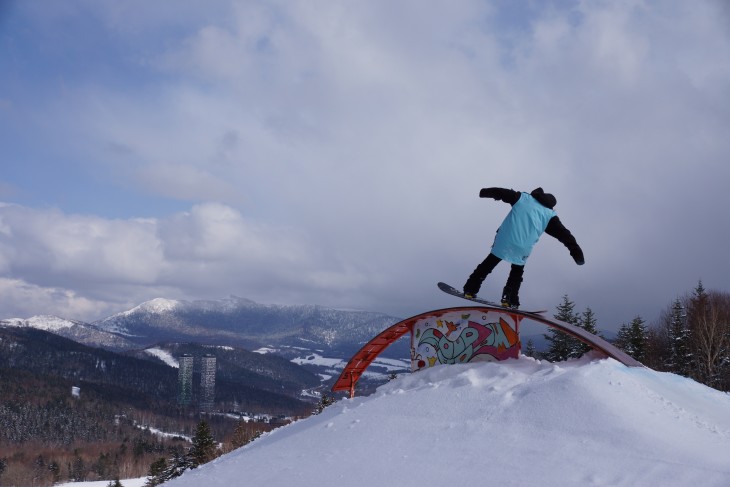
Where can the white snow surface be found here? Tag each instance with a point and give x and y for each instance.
(588, 422)
(163, 355)
(104, 483)
(157, 305)
(317, 359)
(314, 358)
(41, 322)
(265, 350)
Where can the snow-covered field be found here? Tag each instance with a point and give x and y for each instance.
(379, 369)
(103, 483)
(513, 423)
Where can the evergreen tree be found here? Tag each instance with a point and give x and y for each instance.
(530, 350)
(562, 346)
(3, 466)
(623, 338)
(156, 472)
(55, 470)
(700, 297)
(114, 483)
(680, 356)
(77, 470)
(324, 401)
(39, 469)
(202, 451)
(204, 446)
(176, 466)
(588, 322)
(638, 339)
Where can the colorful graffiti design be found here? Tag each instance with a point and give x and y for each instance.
(463, 340)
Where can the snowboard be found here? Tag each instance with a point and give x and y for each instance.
(455, 292)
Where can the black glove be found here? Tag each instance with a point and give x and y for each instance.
(577, 255)
(489, 193)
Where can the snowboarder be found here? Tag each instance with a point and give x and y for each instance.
(530, 216)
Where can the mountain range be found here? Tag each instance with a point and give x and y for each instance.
(318, 338)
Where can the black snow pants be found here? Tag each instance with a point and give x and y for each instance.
(511, 290)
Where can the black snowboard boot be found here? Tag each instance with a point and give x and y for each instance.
(511, 291)
(510, 299)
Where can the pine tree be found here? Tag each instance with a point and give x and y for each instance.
(638, 339)
(204, 446)
(588, 322)
(530, 350)
(623, 338)
(202, 451)
(156, 472)
(562, 346)
(77, 470)
(324, 401)
(634, 339)
(680, 356)
(176, 466)
(39, 469)
(55, 470)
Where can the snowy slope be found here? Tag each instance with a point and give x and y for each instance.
(514, 423)
(49, 323)
(163, 355)
(72, 329)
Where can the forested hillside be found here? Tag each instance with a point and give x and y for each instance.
(49, 433)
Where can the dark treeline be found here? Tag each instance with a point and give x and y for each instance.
(691, 337)
(48, 435)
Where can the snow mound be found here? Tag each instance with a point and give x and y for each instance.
(518, 422)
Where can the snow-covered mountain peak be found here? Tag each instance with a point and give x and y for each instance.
(157, 305)
(42, 322)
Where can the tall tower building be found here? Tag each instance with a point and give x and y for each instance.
(207, 382)
(185, 379)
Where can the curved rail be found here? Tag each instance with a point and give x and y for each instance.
(365, 356)
(584, 336)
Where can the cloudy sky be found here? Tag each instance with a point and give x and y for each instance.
(319, 152)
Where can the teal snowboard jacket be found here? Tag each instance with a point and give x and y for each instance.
(531, 215)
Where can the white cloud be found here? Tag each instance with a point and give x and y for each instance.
(18, 299)
(89, 264)
(186, 182)
(50, 246)
(346, 144)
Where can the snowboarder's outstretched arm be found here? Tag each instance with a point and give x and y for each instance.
(556, 229)
(507, 195)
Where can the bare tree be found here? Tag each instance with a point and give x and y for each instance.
(709, 319)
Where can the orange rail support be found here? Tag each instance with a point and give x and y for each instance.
(364, 357)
